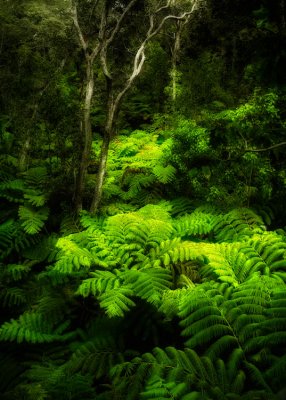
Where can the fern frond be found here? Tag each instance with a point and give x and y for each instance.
(33, 219)
(277, 371)
(90, 222)
(36, 177)
(117, 301)
(35, 197)
(72, 256)
(238, 224)
(181, 206)
(12, 297)
(7, 230)
(69, 224)
(95, 359)
(200, 223)
(101, 282)
(149, 283)
(164, 174)
(164, 368)
(265, 254)
(155, 212)
(257, 377)
(225, 263)
(15, 272)
(44, 250)
(31, 328)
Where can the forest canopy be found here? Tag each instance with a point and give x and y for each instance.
(142, 199)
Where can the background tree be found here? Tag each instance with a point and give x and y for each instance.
(109, 32)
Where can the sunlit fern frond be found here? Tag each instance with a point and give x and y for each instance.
(238, 224)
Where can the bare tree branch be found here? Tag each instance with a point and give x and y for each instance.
(266, 149)
(119, 21)
(78, 29)
(176, 17)
(166, 6)
(139, 58)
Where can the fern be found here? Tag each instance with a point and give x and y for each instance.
(149, 283)
(35, 198)
(164, 174)
(95, 358)
(72, 257)
(226, 263)
(200, 223)
(57, 382)
(12, 190)
(117, 301)
(36, 177)
(126, 280)
(13, 238)
(238, 224)
(181, 206)
(178, 374)
(266, 255)
(7, 231)
(15, 272)
(33, 219)
(100, 282)
(32, 328)
(12, 297)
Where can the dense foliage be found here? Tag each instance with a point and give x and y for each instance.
(174, 286)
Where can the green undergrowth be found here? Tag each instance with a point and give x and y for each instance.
(166, 302)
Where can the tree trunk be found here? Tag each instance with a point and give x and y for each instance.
(114, 101)
(86, 138)
(175, 58)
(23, 158)
(101, 174)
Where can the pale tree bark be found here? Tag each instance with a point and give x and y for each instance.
(86, 137)
(156, 24)
(24, 153)
(91, 55)
(176, 50)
